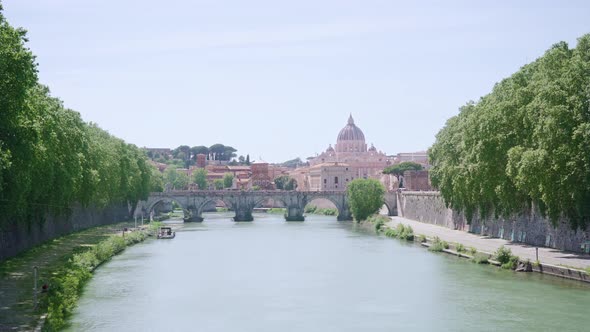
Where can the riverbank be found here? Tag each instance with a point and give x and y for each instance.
(17, 311)
(550, 261)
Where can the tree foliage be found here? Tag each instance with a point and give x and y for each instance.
(228, 180)
(365, 197)
(285, 182)
(400, 168)
(49, 157)
(200, 178)
(526, 142)
(218, 184)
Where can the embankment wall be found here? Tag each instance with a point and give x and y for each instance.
(18, 237)
(528, 227)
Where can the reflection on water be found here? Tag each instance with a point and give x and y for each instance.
(317, 275)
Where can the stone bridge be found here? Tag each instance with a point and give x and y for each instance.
(243, 202)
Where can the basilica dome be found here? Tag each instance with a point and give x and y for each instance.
(351, 132)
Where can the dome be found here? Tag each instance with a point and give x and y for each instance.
(330, 149)
(351, 132)
(372, 148)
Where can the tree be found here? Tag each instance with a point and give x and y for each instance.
(285, 182)
(365, 197)
(293, 163)
(229, 153)
(218, 184)
(400, 168)
(228, 180)
(216, 151)
(185, 149)
(248, 159)
(200, 178)
(195, 150)
(170, 175)
(49, 157)
(157, 181)
(181, 182)
(525, 144)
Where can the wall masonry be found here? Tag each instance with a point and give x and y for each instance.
(16, 238)
(529, 227)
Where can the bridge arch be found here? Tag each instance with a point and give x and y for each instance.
(315, 199)
(152, 204)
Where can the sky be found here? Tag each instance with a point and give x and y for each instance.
(278, 79)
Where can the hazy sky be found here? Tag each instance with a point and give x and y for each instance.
(278, 79)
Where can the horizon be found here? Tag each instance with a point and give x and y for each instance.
(278, 81)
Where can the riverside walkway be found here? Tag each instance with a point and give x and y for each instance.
(490, 245)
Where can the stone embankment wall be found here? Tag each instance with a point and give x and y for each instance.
(16, 238)
(529, 227)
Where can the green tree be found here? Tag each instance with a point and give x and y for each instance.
(156, 181)
(49, 157)
(195, 150)
(200, 178)
(526, 143)
(293, 163)
(365, 197)
(218, 184)
(170, 175)
(181, 182)
(400, 168)
(285, 182)
(228, 180)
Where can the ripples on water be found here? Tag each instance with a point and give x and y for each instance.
(319, 275)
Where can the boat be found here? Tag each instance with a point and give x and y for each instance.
(166, 233)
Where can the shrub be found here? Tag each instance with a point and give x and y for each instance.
(378, 221)
(67, 283)
(460, 247)
(310, 209)
(422, 238)
(438, 245)
(277, 210)
(401, 231)
(480, 258)
(503, 255)
(511, 264)
(472, 251)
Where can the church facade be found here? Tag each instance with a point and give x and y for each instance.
(349, 159)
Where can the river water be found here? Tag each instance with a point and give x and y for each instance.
(318, 275)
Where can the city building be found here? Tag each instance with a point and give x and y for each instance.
(347, 160)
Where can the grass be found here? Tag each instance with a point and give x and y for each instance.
(506, 259)
(378, 221)
(16, 273)
(438, 245)
(67, 283)
(480, 258)
(312, 209)
(401, 231)
(459, 247)
(276, 210)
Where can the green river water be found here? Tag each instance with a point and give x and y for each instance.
(317, 275)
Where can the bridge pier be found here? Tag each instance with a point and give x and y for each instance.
(243, 215)
(294, 213)
(193, 219)
(344, 215)
(193, 215)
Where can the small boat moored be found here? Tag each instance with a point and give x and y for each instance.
(166, 233)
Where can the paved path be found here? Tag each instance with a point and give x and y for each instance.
(487, 244)
(16, 274)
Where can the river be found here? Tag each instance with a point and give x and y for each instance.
(317, 275)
